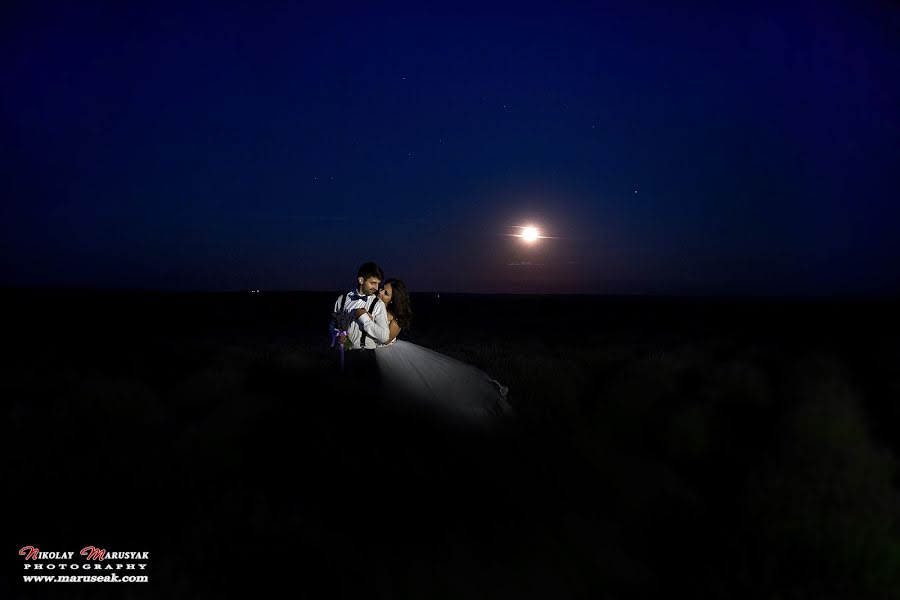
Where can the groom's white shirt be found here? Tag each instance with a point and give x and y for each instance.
(376, 326)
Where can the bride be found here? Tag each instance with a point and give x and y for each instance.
(429, 379)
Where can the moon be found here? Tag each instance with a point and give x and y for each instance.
(530, 234)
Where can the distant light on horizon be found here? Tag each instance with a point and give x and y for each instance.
(530, 234)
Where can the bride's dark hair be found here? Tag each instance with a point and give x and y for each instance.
(399, 306)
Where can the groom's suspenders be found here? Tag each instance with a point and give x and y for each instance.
(362, 339)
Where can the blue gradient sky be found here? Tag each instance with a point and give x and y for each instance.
(687, 150)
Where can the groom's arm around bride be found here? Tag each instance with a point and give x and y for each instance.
(375, 326)
(367, 330)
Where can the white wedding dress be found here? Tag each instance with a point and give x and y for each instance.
(440, 384)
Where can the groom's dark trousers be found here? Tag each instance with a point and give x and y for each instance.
(360, 367)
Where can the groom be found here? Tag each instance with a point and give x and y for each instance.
(365, 332)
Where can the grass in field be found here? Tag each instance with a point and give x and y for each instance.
(637, 468)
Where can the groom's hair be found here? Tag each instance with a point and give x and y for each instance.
(370, 269)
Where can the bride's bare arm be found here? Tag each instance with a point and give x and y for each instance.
(393, 328)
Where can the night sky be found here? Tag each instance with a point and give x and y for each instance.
(661, 149)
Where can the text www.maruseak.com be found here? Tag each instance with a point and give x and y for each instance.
(111, 578)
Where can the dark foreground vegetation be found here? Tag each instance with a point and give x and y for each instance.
(714, 448)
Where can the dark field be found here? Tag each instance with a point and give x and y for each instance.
(716, 448)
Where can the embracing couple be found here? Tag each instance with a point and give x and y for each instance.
(380, 310)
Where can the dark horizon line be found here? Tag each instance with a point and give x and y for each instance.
(654, 295)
